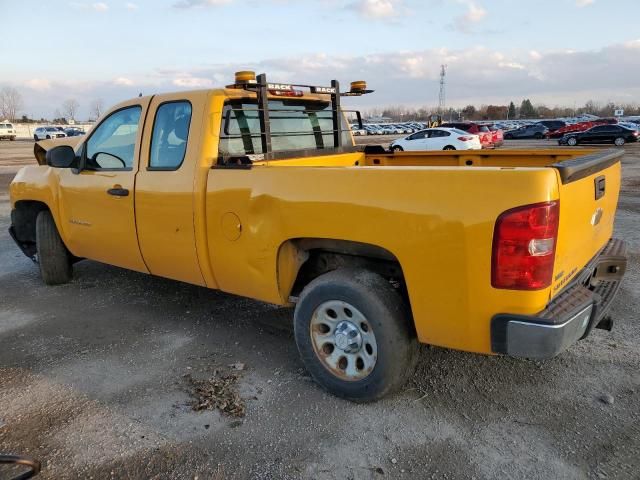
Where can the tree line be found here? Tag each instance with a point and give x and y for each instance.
(526, 110)
(12, 104)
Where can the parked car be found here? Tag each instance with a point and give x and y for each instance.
(483, 132)
(572, 127)
(437, 139)
(76, 131)
(528, 131)
(497, 135)
(615, 134)
(553, 125)
(45, 133)
(7, 131)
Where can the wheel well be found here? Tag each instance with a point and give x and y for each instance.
(23, 221)
(314, 257)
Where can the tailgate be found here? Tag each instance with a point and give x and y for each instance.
(589, 188)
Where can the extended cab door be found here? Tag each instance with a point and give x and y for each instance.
(166, 187)
(96, 204)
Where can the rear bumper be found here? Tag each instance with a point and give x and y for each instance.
(570, 316)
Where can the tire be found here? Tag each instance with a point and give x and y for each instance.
(397, 148)
(538, 136)
(35, 137)
(384, 348)
(53, 257)
(48, 137)
(449, 147)
(572, 142)
(508, 136)
(620, 141)
(12, 139)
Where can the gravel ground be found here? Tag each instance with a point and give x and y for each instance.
(93, 382)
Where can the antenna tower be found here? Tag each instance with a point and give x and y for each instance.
(441, 96)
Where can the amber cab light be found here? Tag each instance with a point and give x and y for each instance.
(524, 247)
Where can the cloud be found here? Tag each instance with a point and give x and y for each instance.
(377, 9)
(131, 6)
(475, 14)
(187, 81)
(100, 7)
(201, 3)
(123, 81)
(39, 84)
(584, 3)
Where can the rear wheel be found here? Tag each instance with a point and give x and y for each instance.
(572, 142)
(397, 148)
(449, 147)
(508, 136)
(53, 257)
(35, 137)
(48, 137)
(12, 138)
(354, 335)
(619, 141)
(538, 136)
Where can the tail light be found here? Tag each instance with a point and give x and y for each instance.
(524, 247)
(465, 139)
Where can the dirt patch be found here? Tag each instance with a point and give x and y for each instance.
(218, 392)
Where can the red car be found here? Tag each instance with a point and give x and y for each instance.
(497, 135)
(486, 136)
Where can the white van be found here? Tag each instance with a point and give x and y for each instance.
(7, 130)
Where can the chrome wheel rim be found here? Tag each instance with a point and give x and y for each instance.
(619, 141)
(343, 340)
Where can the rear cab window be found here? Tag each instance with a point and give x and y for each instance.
(295, 125)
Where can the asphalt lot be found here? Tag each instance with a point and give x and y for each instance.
(92, 382)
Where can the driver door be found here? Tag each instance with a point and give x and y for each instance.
(97, 204)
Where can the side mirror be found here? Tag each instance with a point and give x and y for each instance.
(62, 156)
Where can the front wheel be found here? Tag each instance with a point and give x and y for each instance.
(508, 136)
(397, 148)
(48, 137)
(354, 335)
(53, 257)
(619, 141)
(449, 147)
(35, 137)
(538, 136)
(13, 139)
(572, 142)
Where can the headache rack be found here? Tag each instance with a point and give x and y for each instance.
(288, 93)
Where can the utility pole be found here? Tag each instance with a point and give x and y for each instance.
(441, 96)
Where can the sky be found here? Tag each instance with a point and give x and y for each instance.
(554, 52)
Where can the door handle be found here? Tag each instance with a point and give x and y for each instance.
(118, 192)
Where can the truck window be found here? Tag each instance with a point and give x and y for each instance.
(170, 133)
(295, 125)
(112, 144)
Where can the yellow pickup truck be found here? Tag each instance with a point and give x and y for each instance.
(257, 189)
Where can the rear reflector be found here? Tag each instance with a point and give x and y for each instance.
(524, 247)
